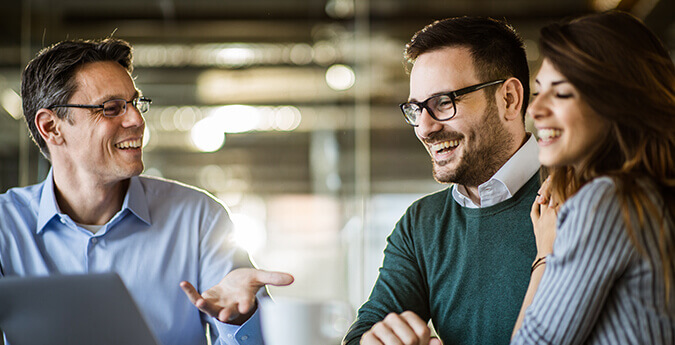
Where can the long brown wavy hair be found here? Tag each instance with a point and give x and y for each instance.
(625, 74)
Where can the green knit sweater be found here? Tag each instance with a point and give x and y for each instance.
(466, 269)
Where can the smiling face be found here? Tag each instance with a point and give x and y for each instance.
(95, 147)
(469, 148)
(568, 128)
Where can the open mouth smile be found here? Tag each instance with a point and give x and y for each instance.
(130, 144)
(444, 146)
(547, 135)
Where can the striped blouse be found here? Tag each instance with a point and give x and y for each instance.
(597, 288)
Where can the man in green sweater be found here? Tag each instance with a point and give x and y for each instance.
(460, 257)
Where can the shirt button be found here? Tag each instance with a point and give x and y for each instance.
(244, 337)
(94, 240)
(63, 220)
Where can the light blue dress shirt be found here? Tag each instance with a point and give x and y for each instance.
(166, 232)
(507, 180)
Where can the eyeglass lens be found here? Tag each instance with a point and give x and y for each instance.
(441, 108)
(117, 107)
(142, 104)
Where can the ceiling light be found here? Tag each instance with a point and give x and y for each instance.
(236, 56)
(340, 77)
(236, 118)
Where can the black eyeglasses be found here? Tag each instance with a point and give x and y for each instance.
(113, 107)
(440, 107)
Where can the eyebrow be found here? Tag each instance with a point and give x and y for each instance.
(118, 96)
(432, 95)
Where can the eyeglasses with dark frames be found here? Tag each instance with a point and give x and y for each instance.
(113, 107)
(440, 107)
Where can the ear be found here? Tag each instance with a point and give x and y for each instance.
(512, 98)
(48, 124)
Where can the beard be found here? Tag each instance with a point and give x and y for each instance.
(485, 150)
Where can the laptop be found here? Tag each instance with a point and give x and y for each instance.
(71, 309)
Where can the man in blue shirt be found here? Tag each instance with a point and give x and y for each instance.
(94, 213)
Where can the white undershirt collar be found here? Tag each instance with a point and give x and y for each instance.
(507, 180)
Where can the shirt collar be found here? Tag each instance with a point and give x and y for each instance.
(48, 206)
(134, 200)
(510, 177)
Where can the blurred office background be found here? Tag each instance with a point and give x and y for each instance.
(284, 109)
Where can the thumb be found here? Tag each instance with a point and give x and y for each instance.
(273, 278)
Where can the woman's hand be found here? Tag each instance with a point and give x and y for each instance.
(544, 215)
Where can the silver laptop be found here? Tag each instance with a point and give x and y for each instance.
(71, 309)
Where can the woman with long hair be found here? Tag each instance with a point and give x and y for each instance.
(604, 109)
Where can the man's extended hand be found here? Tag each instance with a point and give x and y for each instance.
(233, 299)
(400, 329)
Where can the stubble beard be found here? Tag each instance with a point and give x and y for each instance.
(489, 153)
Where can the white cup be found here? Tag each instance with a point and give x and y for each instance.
(294, 321)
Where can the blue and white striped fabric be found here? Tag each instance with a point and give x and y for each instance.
(597, 288)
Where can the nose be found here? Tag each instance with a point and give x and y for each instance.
(132, 117)
(427, 125)
(539, 108)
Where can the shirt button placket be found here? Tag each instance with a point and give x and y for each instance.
(93, 241)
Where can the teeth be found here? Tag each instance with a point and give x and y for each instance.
(445, 145)
(549, 133)
(130, 144)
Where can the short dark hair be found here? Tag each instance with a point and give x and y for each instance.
(49, 78)
(498, 51)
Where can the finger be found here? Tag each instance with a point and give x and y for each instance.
(544, 193)
(369, 338)
(190, 291)
(209, 308)
(402, 329)
(419, 326)
(553, 203)
(534, 212)
(384, 333)
(263, 277)
(227, 314)
(245, 305)
(547, 181)
(435, 341)
(197, 299)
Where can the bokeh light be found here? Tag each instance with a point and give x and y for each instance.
(340, 77)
